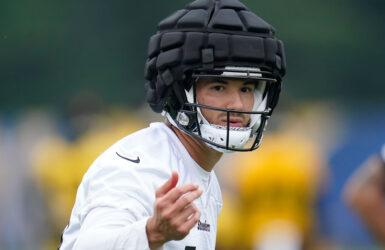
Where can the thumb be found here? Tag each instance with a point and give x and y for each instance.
(168, 185)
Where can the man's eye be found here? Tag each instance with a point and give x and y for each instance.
(217, 87)
(247, 89)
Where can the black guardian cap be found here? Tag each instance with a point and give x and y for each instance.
(202, 40)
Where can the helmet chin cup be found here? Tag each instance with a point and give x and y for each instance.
(231, 138)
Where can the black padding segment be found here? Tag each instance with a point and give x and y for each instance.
(149, 85)
(150, 94)
(171, 40)
(226, 19)
(272, 30)
(153, 45)
(161, 87)
(271, 47)
(169, 58)
(220, 43)
(201, 4)
(231, 4)
(192, 47)
(278, 62)
(281, 52)
(280, 47)
(167, 77)
(193, 19)
(150, 68)
(247, 48)
(170, 21)
(253, 23)
(208, 56)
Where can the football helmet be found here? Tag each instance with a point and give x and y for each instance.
(214, 38)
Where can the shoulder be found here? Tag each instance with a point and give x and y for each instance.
(147, 156)
(128, 173)
(136, 153)
(146, 144)
(155, 145)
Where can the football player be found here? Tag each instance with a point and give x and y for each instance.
(214, 70)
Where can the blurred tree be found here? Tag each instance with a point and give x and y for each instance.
(51, 50)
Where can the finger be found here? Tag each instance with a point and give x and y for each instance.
(180, 219)
(187, 199)
(168, 185)
(186, 213)
(179, 191)
(190, 223)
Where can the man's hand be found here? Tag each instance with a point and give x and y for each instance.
(174, 212)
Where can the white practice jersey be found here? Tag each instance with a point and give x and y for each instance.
(117, 194)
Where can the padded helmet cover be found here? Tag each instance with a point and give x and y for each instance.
(209, 34)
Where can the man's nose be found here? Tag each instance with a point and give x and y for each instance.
(234, 101)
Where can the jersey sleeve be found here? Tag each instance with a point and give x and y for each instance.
(109, 228)
(117, 199)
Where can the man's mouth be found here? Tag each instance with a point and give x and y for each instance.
(233, 122)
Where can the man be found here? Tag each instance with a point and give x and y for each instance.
(365, 194)
(214, 71)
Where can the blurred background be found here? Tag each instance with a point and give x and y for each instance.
(71, 77)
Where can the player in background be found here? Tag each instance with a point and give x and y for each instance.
(270, 201)
(365, 194)
(58, 182)
(214, 70)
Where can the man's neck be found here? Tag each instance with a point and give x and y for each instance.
(205, 156)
